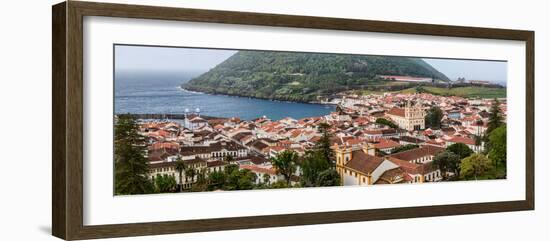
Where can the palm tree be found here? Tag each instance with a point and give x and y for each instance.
(180, 167)
(190, 172)
(285, 163)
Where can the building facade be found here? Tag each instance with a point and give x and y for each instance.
(363, 167)
(409, 118)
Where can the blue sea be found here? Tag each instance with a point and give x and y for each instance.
(160, 93)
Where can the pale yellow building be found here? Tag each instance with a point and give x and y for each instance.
(360, 166)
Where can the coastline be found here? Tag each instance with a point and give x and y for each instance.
(253, 97)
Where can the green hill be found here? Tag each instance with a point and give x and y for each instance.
(303, 76)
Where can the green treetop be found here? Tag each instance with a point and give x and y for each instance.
(285, 163)
(495, 117)
(474, 166)
(433, 118)
(497, 146)
(447, 161)
(324, 143)
(131, 167)
(165, 183)
(461, 149)
(386, 122)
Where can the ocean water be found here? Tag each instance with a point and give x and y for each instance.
(160, 93)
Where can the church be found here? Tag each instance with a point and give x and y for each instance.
(409, 118)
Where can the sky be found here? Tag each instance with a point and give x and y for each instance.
(494, 71)
(167, 59)
(144, 58)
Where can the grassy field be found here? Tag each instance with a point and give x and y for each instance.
(380, 92)
(467, 92)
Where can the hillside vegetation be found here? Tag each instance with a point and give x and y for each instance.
(303, 76)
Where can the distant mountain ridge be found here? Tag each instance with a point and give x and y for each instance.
(303, 76)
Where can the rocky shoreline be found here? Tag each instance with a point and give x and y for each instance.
(193, 90)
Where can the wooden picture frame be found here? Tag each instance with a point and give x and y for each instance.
(67, 124)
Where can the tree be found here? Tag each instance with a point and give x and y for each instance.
(311, 166)
(497, 146)
(433, 117)
(165, 183)
(229, 158)
(495, 117)
(404, 148)
(180, 168)
(323, 145)
(327, 178)
(478, 140)
(386, 122)
(447, 161)
(200, 184)
(230, 169)
(265, 178)
(232, 177)
(242, 179)
(461, 149)
(285, 164)
(247, 179)
(131, 165)
(190, 172)
(474, 166)
(279, 184)
(216, 180)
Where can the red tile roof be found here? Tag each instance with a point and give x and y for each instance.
(391, 176)
(254, 168)
(417, 153)
(216, 163)
(396, 112)
(277, 148)
(364, 163)
(385, 143)
(164, 145)
(465, 140)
